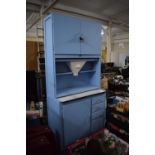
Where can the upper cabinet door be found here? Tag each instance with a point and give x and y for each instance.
(91, 38)
(66, 34)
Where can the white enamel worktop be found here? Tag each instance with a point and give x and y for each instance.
(80, 95)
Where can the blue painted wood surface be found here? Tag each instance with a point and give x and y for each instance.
(49, 58)
(66, 34)
(91, 32)
(77, 118)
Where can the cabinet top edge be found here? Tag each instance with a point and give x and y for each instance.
(80, 17)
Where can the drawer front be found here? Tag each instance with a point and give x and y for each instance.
(98, 107)
(98, 98)
(97, 124)
(98, 114)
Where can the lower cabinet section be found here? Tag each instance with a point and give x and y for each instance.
(79, 118)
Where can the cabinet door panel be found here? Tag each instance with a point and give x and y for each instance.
(97, 114)
(66, 34)
(76, 119)
(91, 34)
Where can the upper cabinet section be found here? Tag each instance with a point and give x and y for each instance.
(72, 35)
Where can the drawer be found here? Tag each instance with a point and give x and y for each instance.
(98, 114)
(98, 107)
(83, 100)
(98, 98)
(97, 124)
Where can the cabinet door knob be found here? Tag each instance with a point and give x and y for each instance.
(81, 38)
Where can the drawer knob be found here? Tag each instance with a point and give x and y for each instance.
(81, 39)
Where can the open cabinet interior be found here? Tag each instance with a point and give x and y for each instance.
(76, 75)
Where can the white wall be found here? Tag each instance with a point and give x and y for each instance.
(120, 48)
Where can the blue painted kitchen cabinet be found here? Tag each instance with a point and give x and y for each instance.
(75, 103)
(74, 35)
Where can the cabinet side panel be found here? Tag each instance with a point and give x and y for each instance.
(49, 57)
(55, 120)
(53, 106)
